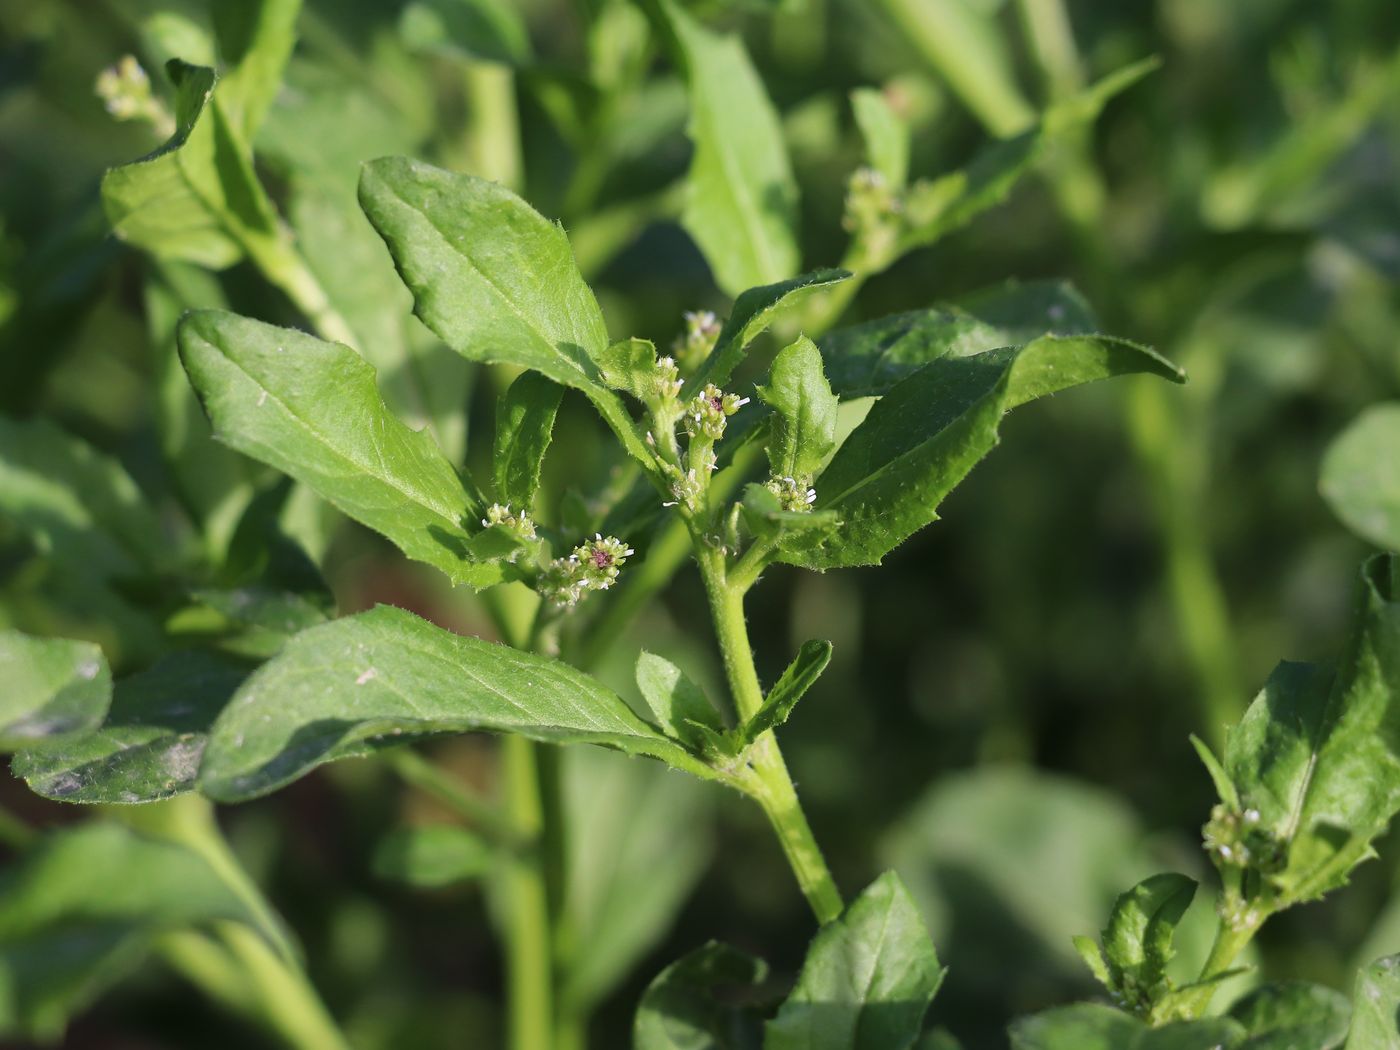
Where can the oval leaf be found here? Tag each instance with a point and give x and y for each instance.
(52, 687)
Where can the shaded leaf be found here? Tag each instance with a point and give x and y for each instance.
(432, 856)
(923, 437)
(151, 743)
(1361, 475)
(524, 427)
(77, 912)
(690, 1005)
(741, 197)
(1292, 1014)
(482, 29)
(1375, 1007)
(52, 688)
(255, 41)
(677, 703)
(1137, 942)
(867, 981)
(338, 689)
(640, 840)
(1088, 1026)
(311, 409)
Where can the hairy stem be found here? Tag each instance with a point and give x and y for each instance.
(766, 780)
(1230, 940)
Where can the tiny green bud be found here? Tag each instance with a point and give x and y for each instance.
(668, 378)
(792, 494)
(521, 523)
(707, 413)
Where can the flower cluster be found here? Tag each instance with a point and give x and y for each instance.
(668, 378)
(701, 334)
(521, 523)
(593, 566)
(125, 90)
(792, 494)
(1235, 839)
(874, 211)
(707, 413)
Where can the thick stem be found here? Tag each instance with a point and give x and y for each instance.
(766, 779)
(529, 973)
(1230, 940)
(492, 146)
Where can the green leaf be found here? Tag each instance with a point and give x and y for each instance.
(1224, 786)
(801, 675)
(153, 202)
(1088, 1026)
(197, 198)
(311, 409)
(481, 29)
(754, 310)
(640, 838)
(690, 1005)
(803, 431)
(492, 277)
(432, 856)
(1361, 475)
(1316, 758)
(1293, 1014)
(630, 365)
(677, 703)
(1137, 942)
(741, 197)
(921, 439)
(255, 41)
(150, 745)
(867, 981)
(765, 516)
(1375, 1007)
(869, 358)
(886, 135)
(78, 911)
(337, 690)
(524, 426)
(53, 687)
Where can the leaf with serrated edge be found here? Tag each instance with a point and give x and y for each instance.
(335, 690)
(867, 981)
(492, 277)
(803, 429)
(524, 427)
(312, 410)
(741, 197)
(1317, 755)
(52, 688)
(807, 666)
(1293, 1014)
(920, 440)
(754, 310)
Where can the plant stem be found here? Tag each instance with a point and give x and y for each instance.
(278, 989)
(767, 779)
(492, 146)
(530, 978)
(1229, 942)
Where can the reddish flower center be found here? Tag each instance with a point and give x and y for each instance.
(717, 403)
(601, 558)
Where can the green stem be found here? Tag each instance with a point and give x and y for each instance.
(1046, 26)
(285, 267)
(279, 991)
(492, 147)
(529, 976)
(1229, 942)
(417, 771)
(766, 779)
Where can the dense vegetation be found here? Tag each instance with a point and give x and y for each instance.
(549, 405)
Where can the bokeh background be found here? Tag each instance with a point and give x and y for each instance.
(1006, 718)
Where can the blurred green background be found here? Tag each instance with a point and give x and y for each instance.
(1006, 716)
